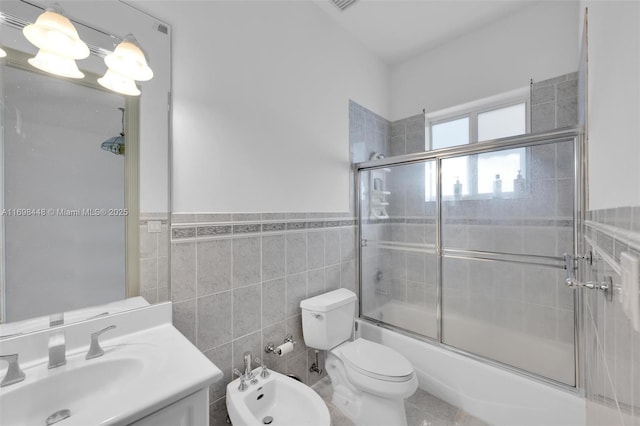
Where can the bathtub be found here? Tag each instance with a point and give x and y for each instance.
(496, 395)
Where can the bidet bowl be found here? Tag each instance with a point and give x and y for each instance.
(277, 400)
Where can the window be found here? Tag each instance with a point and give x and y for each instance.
(493, 118)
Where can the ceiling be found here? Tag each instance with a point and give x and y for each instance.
(396, 30)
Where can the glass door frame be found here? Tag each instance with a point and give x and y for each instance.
(573, 134)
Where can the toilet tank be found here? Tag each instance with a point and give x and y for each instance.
(327, 319)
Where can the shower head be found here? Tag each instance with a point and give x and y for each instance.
(116, 143)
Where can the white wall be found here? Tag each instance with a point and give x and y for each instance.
(538, 42)
(260, 97)
(614, 103)
(120, 19)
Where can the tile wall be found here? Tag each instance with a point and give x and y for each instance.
(612, 345)
(237, 281)
(154, 258)
(368, 133)
(554, 103)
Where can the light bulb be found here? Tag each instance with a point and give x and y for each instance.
(119, 83)
(56, 34)
(128, 60)
(55, 64)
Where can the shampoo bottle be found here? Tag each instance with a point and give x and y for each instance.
(518, 184)
(457, 189)
(497, 187)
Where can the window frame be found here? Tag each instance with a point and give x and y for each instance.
(472, 110)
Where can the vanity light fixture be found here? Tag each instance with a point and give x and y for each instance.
(126, 64)
(119, 83)
(129, 61)
(2, 53)
(59, 44)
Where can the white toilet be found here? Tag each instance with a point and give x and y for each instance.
(370, 381)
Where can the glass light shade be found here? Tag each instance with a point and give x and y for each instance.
(2, 53)
(56, 34)
(128, 60)
(55, 64)
(119, 83)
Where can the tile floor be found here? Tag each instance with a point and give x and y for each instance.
(423, 409)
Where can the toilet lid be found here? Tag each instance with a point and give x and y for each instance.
(376, 360)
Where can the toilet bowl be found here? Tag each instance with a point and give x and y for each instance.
(370, 381)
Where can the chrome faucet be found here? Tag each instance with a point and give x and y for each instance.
(57, 350)
(14, 373)
(94, 349)
(264, 373)
(243, 384)
(248, 374)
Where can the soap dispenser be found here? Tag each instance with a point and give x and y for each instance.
(497, 187)
(457, 189)
(518, 184)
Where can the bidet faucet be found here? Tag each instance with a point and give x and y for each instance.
(243, 384)
(247, 365)
(57, 350)
(264, 373)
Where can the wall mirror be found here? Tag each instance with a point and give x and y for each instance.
(84, 176)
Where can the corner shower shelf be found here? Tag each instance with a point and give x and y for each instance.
(377, 194)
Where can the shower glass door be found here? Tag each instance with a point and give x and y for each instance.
(503, 291)
(398, 247)
(453, 252)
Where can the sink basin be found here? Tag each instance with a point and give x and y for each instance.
(277, 401)
(73, 387)
(148, 368)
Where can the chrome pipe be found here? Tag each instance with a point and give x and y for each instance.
(358, 212)
(496, 259)
(392, 245)
(502, 253)
(579, 205)
(439, 275)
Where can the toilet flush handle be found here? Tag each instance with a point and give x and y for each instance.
(317, 316)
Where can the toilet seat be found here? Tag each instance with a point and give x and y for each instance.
(376, 361)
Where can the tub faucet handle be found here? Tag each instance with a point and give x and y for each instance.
(14, 374)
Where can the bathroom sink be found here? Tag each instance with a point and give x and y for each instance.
(147, 367)
(73, 387)
(277, 401)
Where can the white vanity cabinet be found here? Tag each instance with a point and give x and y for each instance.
(190, 411)
(148, 375)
